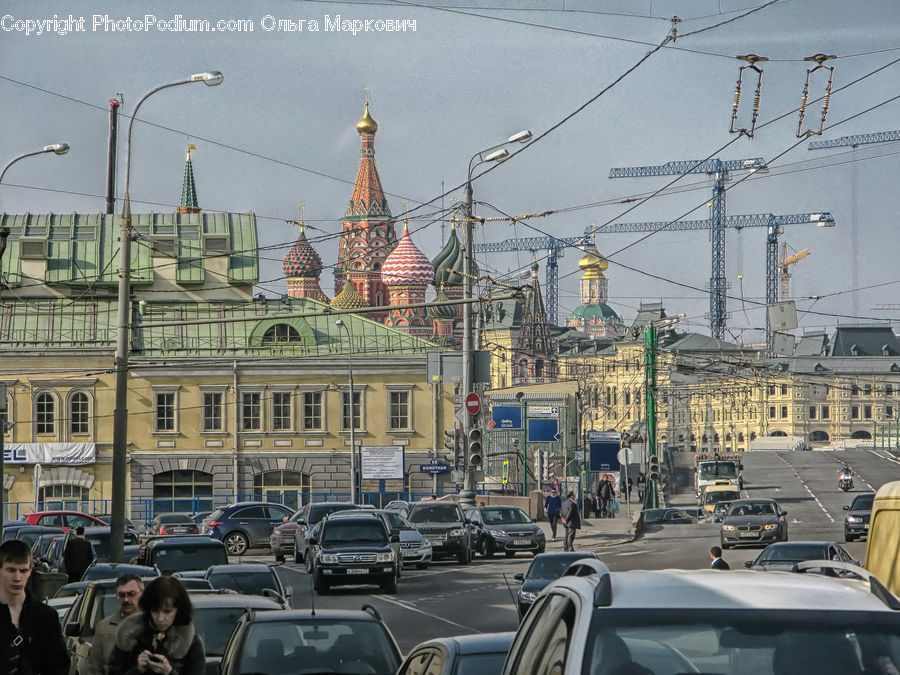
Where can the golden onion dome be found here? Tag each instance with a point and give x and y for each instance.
(367, 125)
(593, 264)
(348, 298)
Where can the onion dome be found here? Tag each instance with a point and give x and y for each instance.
(407, 265)
(348, 298)
(438, 312)
(449, 263)
(302, 261)
(367, 125)
(593, 264)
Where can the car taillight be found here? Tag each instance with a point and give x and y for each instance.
(214, 523)
(162, 530)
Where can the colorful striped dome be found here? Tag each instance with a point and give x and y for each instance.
(348, 298)
(407, 265)
(302, 261)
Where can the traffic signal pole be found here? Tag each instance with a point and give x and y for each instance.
(651, 499)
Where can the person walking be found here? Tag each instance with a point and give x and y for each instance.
(606, 493)
(571, 520)
(31, 640)
(552, 506)
(718, 562)
(78, 556)
(129, 588)
(161, 638)
(641, 487)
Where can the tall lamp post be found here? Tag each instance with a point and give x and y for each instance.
(59, 149)
(120, 413)
(340, 324)
(491, 154)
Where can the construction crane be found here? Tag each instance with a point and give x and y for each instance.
(721, 172)
(854, 142)
(786, 262)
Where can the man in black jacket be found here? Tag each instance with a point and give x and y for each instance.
(78, 556)
(31, 641)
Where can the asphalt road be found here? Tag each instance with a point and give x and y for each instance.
(449, 599)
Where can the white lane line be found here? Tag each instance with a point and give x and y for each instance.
(406, 606)
(627, 553)
(816, 499)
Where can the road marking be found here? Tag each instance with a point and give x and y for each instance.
(631, 553)
(806, 486)
(404, 605)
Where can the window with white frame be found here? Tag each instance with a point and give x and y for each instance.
(313, 411)
(251, 411)
(399, 410)
(213, 411)
(45, 414)
(345, 410)
(79, 414)
(164, 411)
(282, 411)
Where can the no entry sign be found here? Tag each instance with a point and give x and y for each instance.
(473, 403)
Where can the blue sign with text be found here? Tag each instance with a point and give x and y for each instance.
(434, 467)
(604, 455)
(543, 430)
(506, 417)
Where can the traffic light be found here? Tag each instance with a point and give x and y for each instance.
(474, 447)
(452, 444)
(653, 469)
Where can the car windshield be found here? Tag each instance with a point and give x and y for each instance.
(551, 567)
(215, 625)
(504, 516)
(793, 553)
(172, 518)
(434, 513)
(317, 646)
(248, 583)
(751, 509)
(863, 503)
(478, 664)
(184, 558)
(340, 534)
(720, 496)
(718, 470)
(315, 515)
(729, 642)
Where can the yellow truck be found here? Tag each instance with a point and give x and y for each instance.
(883, 546)
(722, 491)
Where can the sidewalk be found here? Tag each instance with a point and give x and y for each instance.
(596, 532)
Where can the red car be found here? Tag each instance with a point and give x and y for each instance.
(64, 519)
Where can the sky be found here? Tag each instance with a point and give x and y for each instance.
(585, 77)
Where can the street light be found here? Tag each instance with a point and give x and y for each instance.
(59, 149)
(120, 413)
(467, 494)
(340, 324)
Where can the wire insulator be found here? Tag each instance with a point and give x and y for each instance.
(752, 60)
(826, 99)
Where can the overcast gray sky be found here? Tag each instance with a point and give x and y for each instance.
(281, 130)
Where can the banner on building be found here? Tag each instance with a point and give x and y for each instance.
(381, 462)
(50, 453)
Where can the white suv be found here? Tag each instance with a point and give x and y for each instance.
(593, 622)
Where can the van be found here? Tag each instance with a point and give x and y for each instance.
(883, 546)
(713, 494)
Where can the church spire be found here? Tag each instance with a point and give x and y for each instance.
(188, 188)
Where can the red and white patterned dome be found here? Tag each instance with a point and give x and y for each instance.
(407, 265)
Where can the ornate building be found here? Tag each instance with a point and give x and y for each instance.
(188, 188)
(593, 316)
(302, 268)
(407, 272)
(534, 360)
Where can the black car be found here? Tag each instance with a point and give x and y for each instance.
(108, 570)
(300, 524)
(784, 555)
(480, 654)
(542, 570)
(856, 522)
(248, 578)
(307, 641)
(354, 550)
(445, 526)
(173, 523)
(28, 532)
(191, 556)
(245, 525)
(107, 518)
(99, 538)
(504, 529)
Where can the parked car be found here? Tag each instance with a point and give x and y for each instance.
(323, 641)
(856, 522)
(172, 523)
(504, 529)
(592, 620)
(63, 519)
(199, 517)
(445, 526)
(28, 532)
(191, 556)
(303, 521)
(753, 522)
(542, 570)
(400, 506)
(479, 654)
(42, 548)
(245, 525)
(248, 578)
(99, 538)
(107, 518)
(784, 555)
(108, 570)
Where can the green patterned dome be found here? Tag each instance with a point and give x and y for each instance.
(442, 311)
(587, 313)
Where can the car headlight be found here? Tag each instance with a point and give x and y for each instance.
(328, 558)
(771, 526)
(385, 557)
(527, 596)
(425, 545)
(456, 533)
(497, 533)
(854, 519)
(728, 528)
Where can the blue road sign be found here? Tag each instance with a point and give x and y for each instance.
(604, 455)
(506, 417)
(434, 467)
(543, 430)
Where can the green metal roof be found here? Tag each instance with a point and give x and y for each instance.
(598, 311)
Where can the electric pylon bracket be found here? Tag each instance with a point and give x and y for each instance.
(826, 100)
(752, 60)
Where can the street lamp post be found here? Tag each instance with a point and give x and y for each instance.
(120, 412)
(491, 154)
(59, 149)
(340, 324)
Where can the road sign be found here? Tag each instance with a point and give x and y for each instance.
(473, 403)
(434, 466)
(543, 411)
(625, 456)
(543, 430)
(506, 417)
(604, 456)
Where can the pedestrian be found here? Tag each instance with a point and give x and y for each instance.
(641, 487)
(552, 506)
(628, 488)
(78, 556)
(606, 495)
(718, 562)
(31, 640)
(571, 520)
(160, 639)
(129, 588)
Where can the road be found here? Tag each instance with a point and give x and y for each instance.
(450, 599)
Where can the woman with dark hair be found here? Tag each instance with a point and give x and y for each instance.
(160, 639)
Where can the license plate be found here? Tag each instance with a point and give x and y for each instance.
(749, 535)
(357, 570)
(521, 542)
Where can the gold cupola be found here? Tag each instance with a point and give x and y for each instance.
(367, 125)
(593, 264)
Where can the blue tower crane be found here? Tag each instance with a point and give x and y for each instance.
(721, 172)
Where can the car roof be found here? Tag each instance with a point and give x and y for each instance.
(241, 567)
(237, 504)
(574, 555)
(479, 643)
(202, 599)
(311, 615)
(183, 540)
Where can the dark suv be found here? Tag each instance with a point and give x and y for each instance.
(245, 525)
(299, 525)
(445, 526)
(353, 549)
(856, 522)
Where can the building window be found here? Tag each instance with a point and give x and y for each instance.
(345, 410)
(867, 412)
(771, 390)
(812, 412)
(771, 412)
(608, 396)
(826, 412)
(889, 411)
(251, 411)
(784, 412)
(784, 390)
(282, 411)
(539, 368)
(63, 498)
(854, 390)
(627, 395)
(78, 414)
(45, 417)
(290, 488)
(889, 389)
(399, 404)
(854, 412)
(312, 411)
(867, 389)
(182, 490)
(165, 411)
(213, 413)
(637, 396)
(281, 332)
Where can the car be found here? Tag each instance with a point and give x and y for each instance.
(301, 522)
(753, 522)
(43, 546)
(415, 549)
(856, 522)
(99, 537)
(784, 555)
(172, 523)
(314, 641)
(76, 588)
(504, 529)
(199, 517)
(28, 532)
(190, 555)
(63, 519)
(386, 518)
(245, 525)
(592, 620)
(479, 654)
(353, 550)
(107, 570)
(248, 578)
(543, 569)
(444, 525)
(683, 515)
(400, 506)
(713, 494)
(107, 518)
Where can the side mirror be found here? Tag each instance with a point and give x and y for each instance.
(519, 577)
(847, 507)
(73, 629)
(783, 513)
(395, 538)
(748, 564)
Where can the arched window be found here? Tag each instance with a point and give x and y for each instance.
(523, 368)
(861, 434)
(64, 498)
(281, 332)
(79, 411)
(45, 414)
(290, 488)
(538, 368)
(752, 435)
(741, 437)
(778, 433)
(182, 490)
(818, 437)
